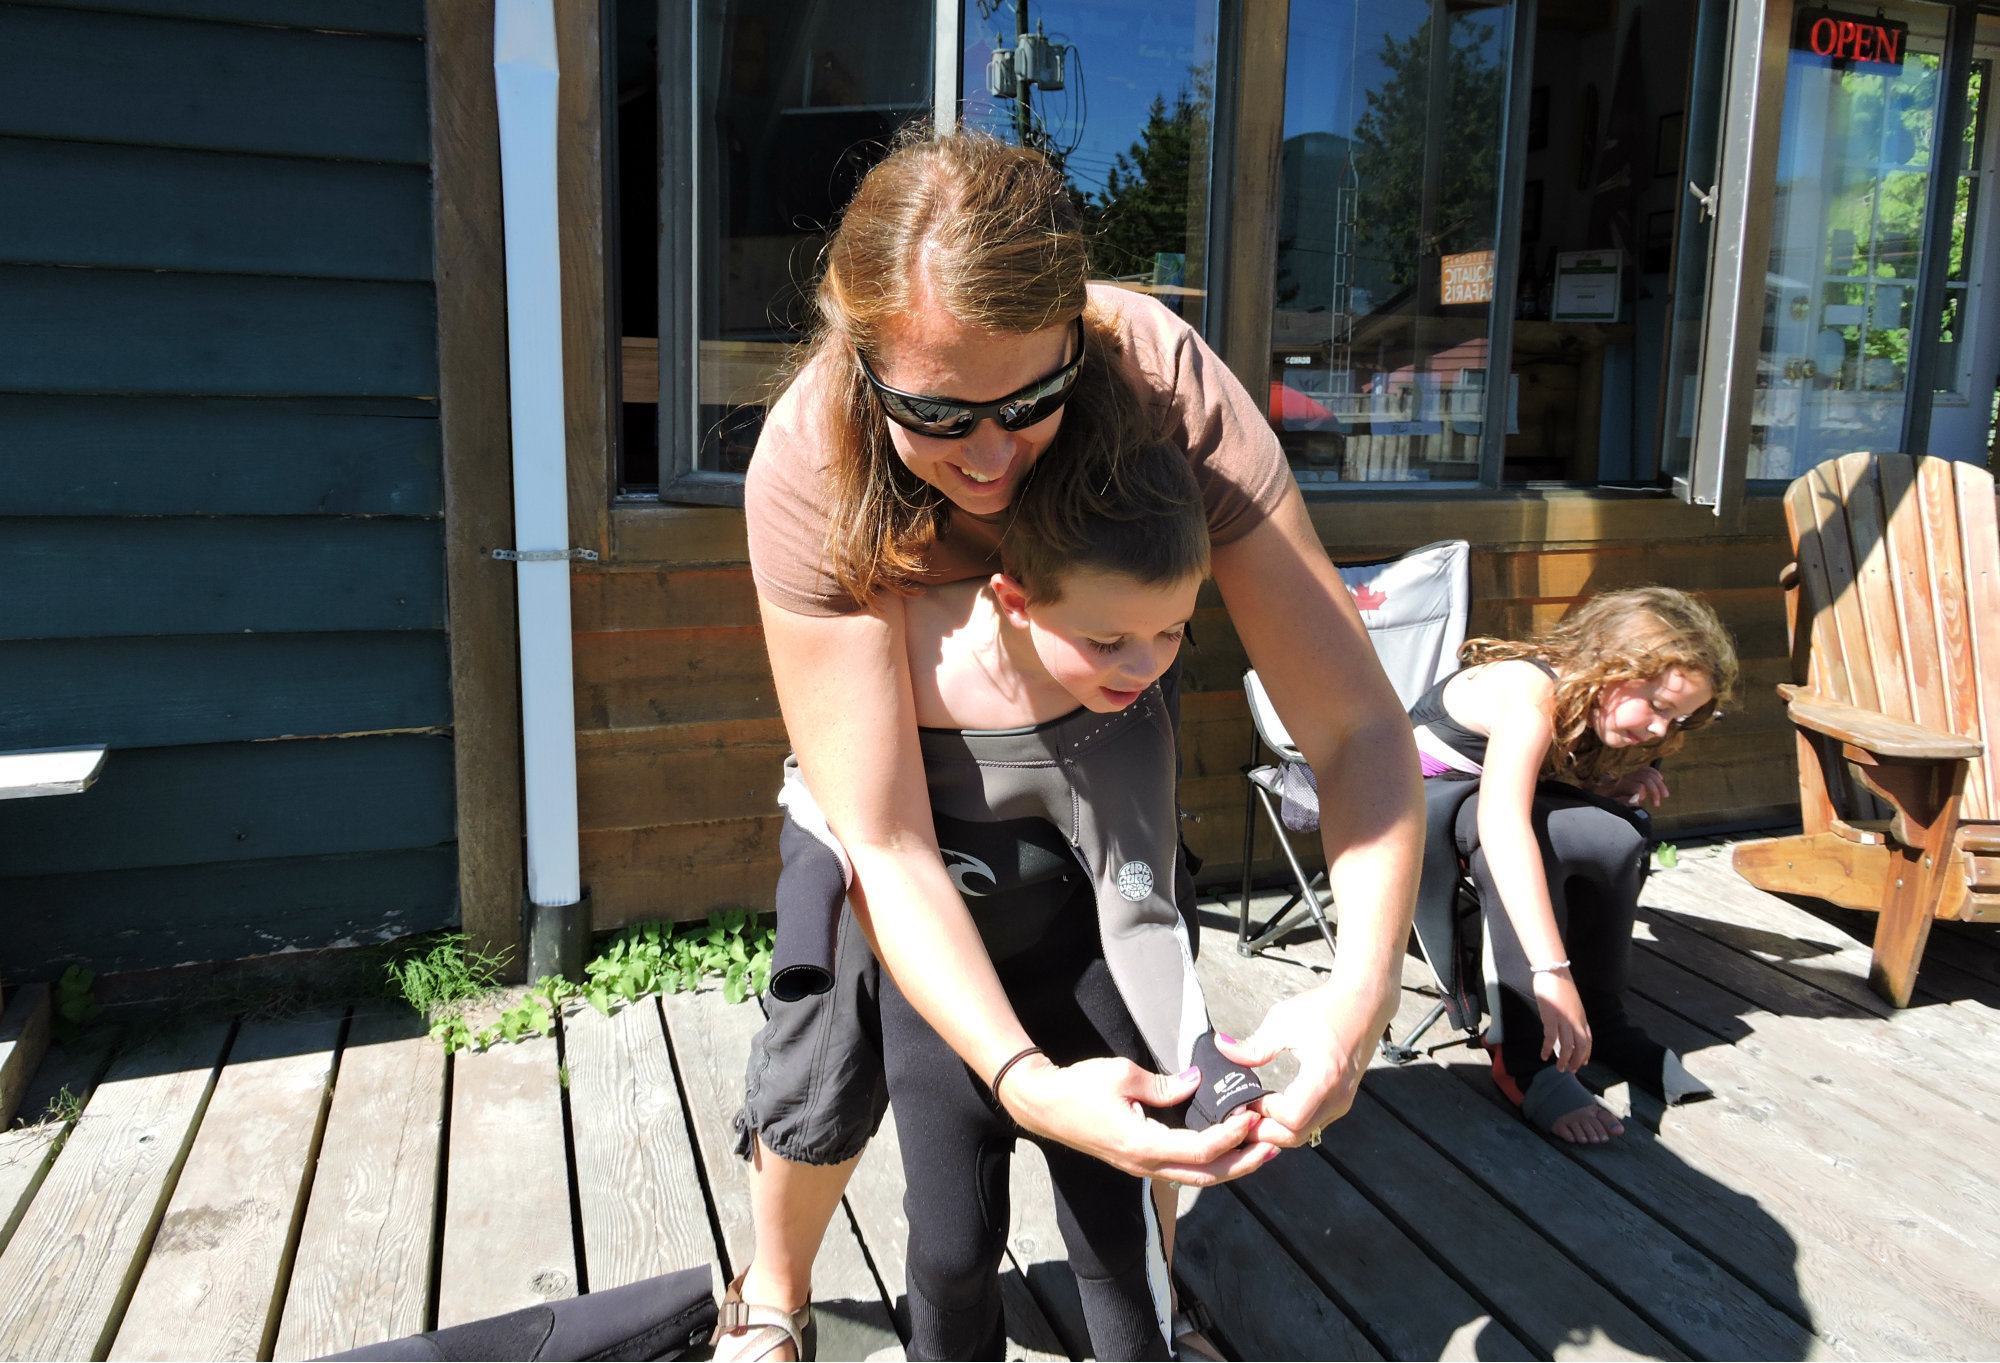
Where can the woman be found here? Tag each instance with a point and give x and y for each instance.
(958, 345)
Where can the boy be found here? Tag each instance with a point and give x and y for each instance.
(1045, 699)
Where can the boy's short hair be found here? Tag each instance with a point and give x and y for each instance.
(1149, 523)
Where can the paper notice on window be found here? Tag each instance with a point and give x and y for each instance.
(1587, 286)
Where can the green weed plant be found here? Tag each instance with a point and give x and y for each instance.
(651, 958)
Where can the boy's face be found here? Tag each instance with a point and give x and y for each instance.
(1109, 637)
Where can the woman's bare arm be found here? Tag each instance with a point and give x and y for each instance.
(844, 688)
(1306, 640)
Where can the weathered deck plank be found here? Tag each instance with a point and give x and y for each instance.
(362, 1271)
(68, 1270)
(636, 1181)
(1847, 1122)
(26, 1150)
(212, 1283)
(507, 1236)
(711, 1043)
(24, 1039)
(1382, 1277)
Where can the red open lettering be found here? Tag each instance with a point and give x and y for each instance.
(1889, 45)
(1824, 36)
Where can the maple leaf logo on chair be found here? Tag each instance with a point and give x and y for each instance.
(1368, 599)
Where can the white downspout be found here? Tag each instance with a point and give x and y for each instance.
(525, 78)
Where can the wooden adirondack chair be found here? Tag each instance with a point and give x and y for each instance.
(1894, 606)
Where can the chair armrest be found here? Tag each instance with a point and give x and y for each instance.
(1876, 733)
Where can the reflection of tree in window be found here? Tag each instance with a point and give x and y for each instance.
(1390, 156)
(1142, 211)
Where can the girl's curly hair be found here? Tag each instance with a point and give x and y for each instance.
(1630, 635)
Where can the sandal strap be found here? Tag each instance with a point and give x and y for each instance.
(732, 1314)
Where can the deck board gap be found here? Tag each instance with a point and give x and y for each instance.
(569, 1155)
(436, 1290)
(288, 1259)
(708, 1199)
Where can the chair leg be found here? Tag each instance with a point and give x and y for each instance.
(1249, 852)
(1308, 895)
(1403, 1052)
(1904, 925)
(1924, 795)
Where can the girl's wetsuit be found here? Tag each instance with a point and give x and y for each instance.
(1596, 856)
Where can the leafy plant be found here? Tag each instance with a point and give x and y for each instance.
(650, 958)
(442, 981)
(659, 958)
(75, 1005)
(1667, 856)
(62, 1109)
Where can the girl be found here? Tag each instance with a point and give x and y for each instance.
(1561, 733)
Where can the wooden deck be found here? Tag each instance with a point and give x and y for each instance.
(282, 1188)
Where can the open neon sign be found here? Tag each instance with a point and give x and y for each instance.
(1849, 40)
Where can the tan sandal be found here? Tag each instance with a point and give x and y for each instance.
(768, 1327)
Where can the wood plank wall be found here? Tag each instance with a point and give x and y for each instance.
(679, 738)
(220, 506)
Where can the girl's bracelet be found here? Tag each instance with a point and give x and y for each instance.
(1551, 968)
(1012, 1061)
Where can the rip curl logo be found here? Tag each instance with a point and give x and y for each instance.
(1230, 1083)
(1135, 880)
(963, 865)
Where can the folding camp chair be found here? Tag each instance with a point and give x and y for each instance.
(1415, 609)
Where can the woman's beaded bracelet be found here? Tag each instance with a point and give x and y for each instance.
(1012, 1061)
(1551, 968)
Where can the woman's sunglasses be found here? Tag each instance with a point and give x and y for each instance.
(950, 419)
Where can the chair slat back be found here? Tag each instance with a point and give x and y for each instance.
(1899, 572)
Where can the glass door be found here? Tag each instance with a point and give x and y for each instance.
(1854, 169)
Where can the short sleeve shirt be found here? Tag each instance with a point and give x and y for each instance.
(1191, 398)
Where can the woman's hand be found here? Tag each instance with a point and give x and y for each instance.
(1099, 1107)
(1565, 1030)
(1331, 1036)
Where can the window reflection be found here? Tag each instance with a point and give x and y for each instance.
(1120, 94)
(1386, 243)
(1854, 169)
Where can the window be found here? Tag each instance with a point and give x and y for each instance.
(1383, 296)
(760, 118)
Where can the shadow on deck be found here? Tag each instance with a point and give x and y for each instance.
(260, 1187)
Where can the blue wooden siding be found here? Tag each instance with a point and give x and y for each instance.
(221, 518)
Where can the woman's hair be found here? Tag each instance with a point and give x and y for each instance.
(991, 234)
(1156, 533)
(1631, 635)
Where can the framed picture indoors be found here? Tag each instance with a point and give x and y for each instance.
(1659, 244)
(1538, 118)
(1667, 146)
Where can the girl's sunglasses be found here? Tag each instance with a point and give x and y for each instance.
(950, 419)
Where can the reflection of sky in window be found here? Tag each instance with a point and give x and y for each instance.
(1326, 43)
(1131, 51)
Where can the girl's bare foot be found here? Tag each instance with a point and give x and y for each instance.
(1591, 1124)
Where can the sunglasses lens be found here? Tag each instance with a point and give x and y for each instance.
(1018, 416)
(944, 420)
